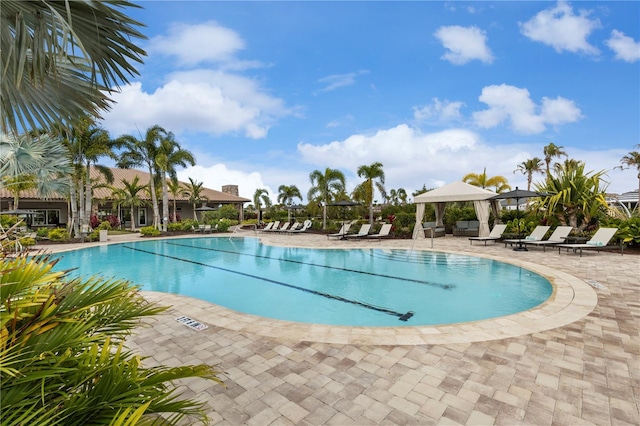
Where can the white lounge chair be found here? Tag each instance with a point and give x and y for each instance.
(268, 227)
(342, 232)
(536, 235)
(283, 228)
(494, 235)
(557, 237)
(305, 225)
(598, 242)
(384, 232)
(363, 232)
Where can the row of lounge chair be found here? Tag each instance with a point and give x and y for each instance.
(599, 241)
(363, 233)
(287, 227)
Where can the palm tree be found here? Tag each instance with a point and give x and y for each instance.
(261, 196)
(39, 162)
(286, 194)
(63, 359)
(529, 167)
(402, 195)
(550, 151)
(324, 187)
(144, 152)
(629, 161)
(193, 190)
(500, 183)
(61, 59)
(575, 196)
(128, 196)
(374, 176)
(170, 155)
(175, 189)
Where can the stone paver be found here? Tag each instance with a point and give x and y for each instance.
(573, 361)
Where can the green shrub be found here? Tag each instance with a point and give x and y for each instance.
(42, 233)
(187, 224)
(629, 231)
(174, 226)
(27, 241)
(58, 234)
(149, 231)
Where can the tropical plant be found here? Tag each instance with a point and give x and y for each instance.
(128, 196)
(324, 188)
(286, 194)
(575, 197)
(63, 360)
(374, 177)
(194, 191)
(175, 188)
(144, 152)
(261, 196)
(15, 185)
(61, 59)
(529, 167)
(499, 183)
(632, 160)
(550, 152)
(41, 156)
(170, 155)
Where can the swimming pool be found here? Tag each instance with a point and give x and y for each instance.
(360, 287)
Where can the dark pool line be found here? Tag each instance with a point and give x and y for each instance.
(401, 316)
(442, 286)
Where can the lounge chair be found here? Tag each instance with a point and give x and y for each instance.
(383, 233)
(295, 226)
(536, 235)
(363, 232)
(268, 227)
(305, 225)
(558, 237)
(598, 242)
(494, 235)
(283, 228)
(342, 232)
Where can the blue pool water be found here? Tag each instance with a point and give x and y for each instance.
(363, 287)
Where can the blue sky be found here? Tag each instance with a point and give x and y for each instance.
(263, 93)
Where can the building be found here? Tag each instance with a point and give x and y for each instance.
(55, 211)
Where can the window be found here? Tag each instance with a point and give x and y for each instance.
(46, 217)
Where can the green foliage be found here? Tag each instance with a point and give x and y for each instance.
(187, 224)
(224, 224)
(174, 226)
(628, 230)
(42, 233)
(228, 212)
(454, 213)
(58, 234)
(27, 241)
(149, 231)
(404, 220)
(7, 221)
(62, 359)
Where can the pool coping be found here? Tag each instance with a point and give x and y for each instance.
(571, 300)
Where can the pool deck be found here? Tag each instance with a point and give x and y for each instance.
(573, 361)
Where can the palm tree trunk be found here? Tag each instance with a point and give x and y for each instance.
(165, 203)
(324, 215)
(73, 208)
(154, 199)
(87, 194)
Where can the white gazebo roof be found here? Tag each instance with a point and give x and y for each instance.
(455, 191)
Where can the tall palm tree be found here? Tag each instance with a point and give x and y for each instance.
(61, 59)
(170, 155)
(144, 152)
(551, 151)
(374, 176)
(128, 196)
(529, 167)
(629, 161)
(175, 189)
(286, 194)
(194, 191)
(261, 196)
(324, 188)
(499, 183)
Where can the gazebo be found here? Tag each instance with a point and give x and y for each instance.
(455, 191)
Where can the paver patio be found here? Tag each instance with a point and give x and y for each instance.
(585, 370)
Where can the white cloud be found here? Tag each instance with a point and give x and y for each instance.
(560, 28)
(625, 48)
(213, 102)
(336, 81)
(513, 104)
(196, 44)
(438, 111)
(464, 44)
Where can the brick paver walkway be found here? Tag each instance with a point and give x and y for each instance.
(580, 373)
